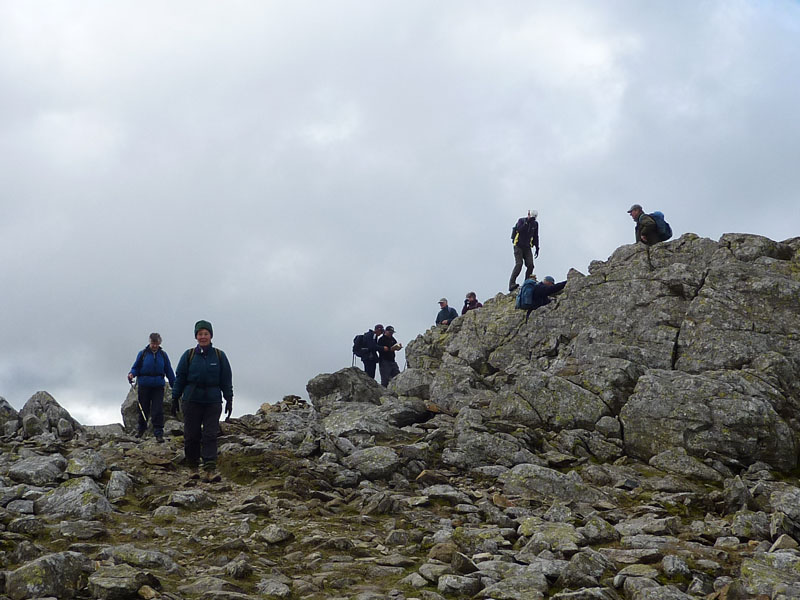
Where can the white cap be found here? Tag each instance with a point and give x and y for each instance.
(533, 213)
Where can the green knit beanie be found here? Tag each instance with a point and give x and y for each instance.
(203, 325)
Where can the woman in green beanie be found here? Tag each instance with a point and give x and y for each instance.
(203, 378)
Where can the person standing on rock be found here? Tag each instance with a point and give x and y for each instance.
(471, 303)
(646, 228)
(387, 364)
(203, 379)
(446, 313)
(149, 369)
(369, 351)
(524, 237)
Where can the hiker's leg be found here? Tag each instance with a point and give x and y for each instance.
(208, 443)
(385, 368)
(157, 411)
(394, 370)
(192, 431)
(369, 367)
(144, 403)
(527, 255)
(517, 267)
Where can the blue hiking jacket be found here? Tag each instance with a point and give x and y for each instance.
(150, 368)
(207, 379)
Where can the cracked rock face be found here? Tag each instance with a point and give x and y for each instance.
(636, 439)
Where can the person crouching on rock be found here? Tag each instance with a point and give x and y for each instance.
(150, 368)
(203, 379)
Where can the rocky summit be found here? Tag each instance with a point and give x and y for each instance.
(637, 438)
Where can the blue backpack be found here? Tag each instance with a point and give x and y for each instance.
(664, 230)
(525, 296)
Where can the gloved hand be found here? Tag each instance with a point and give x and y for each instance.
(175, 407)
(536, 255)
(228, 408)
(130, 377)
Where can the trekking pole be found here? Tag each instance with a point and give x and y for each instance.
(139, 404)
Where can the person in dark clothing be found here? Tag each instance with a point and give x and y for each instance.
(203, 379)
(387, 365)
(542, 291)
(524, 236)
(646, 228)
(471, 303)
(149, 369)
(446, 313)
(370, 353)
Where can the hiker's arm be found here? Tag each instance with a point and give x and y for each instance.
(226, 378)
(556, 287)
(647, 226)
(180, 377)
(168, 370)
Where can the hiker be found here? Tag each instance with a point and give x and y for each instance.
(387, 365)
(542, 291)
(369, 349)
(646, 229)
(203, 379)
(149, 369)
(446, 313)
(470, 303)
(524, 236)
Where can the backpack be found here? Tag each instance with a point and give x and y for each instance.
(359, 347)
(191, 356)
(664, 230)
(525, 296)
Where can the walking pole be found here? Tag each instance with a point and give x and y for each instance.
(141, 410)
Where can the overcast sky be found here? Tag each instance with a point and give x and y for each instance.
(296, 172)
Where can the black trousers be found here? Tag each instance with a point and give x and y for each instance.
(200, 430)
(151, 399)
(369, 367)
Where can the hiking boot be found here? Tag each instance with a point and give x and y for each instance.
(212, 477)
(511, 288)
(194, 471)
(160, 439)
(139, 434)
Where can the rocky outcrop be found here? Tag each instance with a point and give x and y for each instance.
(637, 439)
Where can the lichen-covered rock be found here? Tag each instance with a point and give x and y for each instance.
(38, 470)
(60, 575)
(346, 385)
(536, 481)
(120, 582)
(377, 462)
(86, 463)
(48, 412)
(79, 498)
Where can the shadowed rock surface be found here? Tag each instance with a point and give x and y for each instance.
(635, 439)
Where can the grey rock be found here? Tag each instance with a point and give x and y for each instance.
(120, 582)
(86, 463)
(747, 525)
(377, 462)
(344, 386)
(8, 414)
(60, 575)
(676, 460)
(446, 492)
(48, 412)
(275, 534)
(533, 480)
(118, 486)
(585, 569)
(38, 470)
(191, 499)
(460, 585)
(79, 498)
(140, 557)
(81, 529)
(530, 586)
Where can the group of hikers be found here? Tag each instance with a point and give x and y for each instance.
(201, 381)
(650, 229)
(203, 378)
